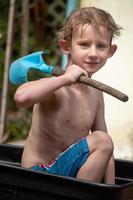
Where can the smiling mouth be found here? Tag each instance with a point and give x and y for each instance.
(92, 63)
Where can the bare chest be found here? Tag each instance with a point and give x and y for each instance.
(79, 111)
(69, 119)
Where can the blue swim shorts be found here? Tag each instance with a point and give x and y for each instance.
(69, 162)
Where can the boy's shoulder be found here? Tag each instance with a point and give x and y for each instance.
(97, 96)
(53, 99)
(96, 92)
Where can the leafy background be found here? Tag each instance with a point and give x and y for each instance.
(45, 18)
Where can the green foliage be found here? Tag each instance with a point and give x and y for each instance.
(17, 130)
(3, 35)
(11, 102)
(46, 34)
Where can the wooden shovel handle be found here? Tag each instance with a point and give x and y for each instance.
(96, 84)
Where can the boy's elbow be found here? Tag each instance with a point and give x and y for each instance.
(20, 98)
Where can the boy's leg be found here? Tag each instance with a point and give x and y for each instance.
(101, 149)
(110, 172)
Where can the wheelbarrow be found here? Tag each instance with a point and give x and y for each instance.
(17, 182)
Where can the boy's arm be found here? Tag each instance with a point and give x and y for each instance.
(34, 92)
(100, 124)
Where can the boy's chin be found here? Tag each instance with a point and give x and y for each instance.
(91, 72)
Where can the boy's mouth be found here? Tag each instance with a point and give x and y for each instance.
(92, 63)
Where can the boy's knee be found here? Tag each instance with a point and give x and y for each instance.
(103, 141)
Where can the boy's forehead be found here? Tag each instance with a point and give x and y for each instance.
(83, 31)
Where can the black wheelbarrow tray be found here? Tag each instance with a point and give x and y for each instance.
(18, 183)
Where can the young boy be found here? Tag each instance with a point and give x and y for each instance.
(68, 135)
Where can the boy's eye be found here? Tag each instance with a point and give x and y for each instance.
(84, 44)
(101, 46)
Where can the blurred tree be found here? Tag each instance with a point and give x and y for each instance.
(6, 69)
(36, 23)
(25, 28)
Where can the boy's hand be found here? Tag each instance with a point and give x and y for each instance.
(73, 72)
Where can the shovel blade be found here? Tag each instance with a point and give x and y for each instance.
(19, 69)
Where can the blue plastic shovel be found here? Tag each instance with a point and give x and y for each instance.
(19, 70)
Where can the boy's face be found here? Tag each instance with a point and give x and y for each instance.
(90, 49)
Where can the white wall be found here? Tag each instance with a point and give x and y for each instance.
(118, 73)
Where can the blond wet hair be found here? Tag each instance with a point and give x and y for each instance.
(88, 16)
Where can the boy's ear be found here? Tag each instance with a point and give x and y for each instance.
(112, 50)
(64, 46)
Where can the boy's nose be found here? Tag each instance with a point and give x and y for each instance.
(92, 53)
